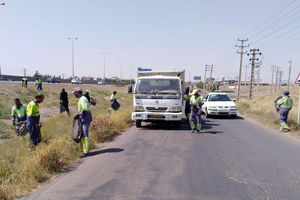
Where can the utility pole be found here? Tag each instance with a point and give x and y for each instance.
(253, 53)
(210, 77)
(241, 64)
(272, 83)
(289, 79)
(104, 53)
(208, 68)
(258, 75)
(24, 70)
(280, 78)
(276, 79)
(121, 70)
(72, 39)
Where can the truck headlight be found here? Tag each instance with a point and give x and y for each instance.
(139, 108)
(175, 109)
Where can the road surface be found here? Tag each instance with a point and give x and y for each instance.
(230, 159)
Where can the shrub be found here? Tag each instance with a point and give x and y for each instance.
(103, 129)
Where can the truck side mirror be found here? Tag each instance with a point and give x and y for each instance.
(186, 90)
(129, 89)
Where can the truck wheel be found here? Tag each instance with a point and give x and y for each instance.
(177, 124)
(138, 123)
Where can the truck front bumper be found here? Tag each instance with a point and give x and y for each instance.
(156, 116)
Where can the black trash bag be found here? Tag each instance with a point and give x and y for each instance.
(115, 104)
(21, 128)
(277, 107)
(77, 129)
(93, 102)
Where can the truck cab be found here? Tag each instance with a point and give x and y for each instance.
(158, 96)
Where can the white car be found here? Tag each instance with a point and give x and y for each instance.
(217, 103)
(76, 81)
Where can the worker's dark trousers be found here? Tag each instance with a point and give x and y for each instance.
(64, 107)
(34, 133)
(195, 120)
(284, 112)
(39, 87)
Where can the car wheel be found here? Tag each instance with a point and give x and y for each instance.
(138, 123)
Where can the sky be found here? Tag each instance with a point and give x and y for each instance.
(157, 34)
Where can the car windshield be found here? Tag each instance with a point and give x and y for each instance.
(158, 86)
(219, 97)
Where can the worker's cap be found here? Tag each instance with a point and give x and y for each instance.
(286, 92)
(77, 90)
(195, 91)
(88, 91)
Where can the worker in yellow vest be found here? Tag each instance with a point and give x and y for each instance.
(196, 102)
(85, 113)
(33, 121)
(18, 112)
(38, 83)
(285, 105)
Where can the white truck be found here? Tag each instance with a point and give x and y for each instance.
(159, 96)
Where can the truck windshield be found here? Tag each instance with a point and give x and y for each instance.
(158, 86)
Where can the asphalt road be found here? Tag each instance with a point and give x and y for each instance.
(230, 159)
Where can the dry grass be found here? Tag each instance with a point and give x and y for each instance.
(21, 170)
(262, 109)
(50, 107)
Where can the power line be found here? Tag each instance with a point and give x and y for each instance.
(283, 34)
(272, 17)
(278, 29)
(278, 21)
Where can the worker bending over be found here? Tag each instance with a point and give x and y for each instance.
(196, 102)
(18, 112)
(285, 105)
(33, 121)
(85, 117)
(113, 101)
